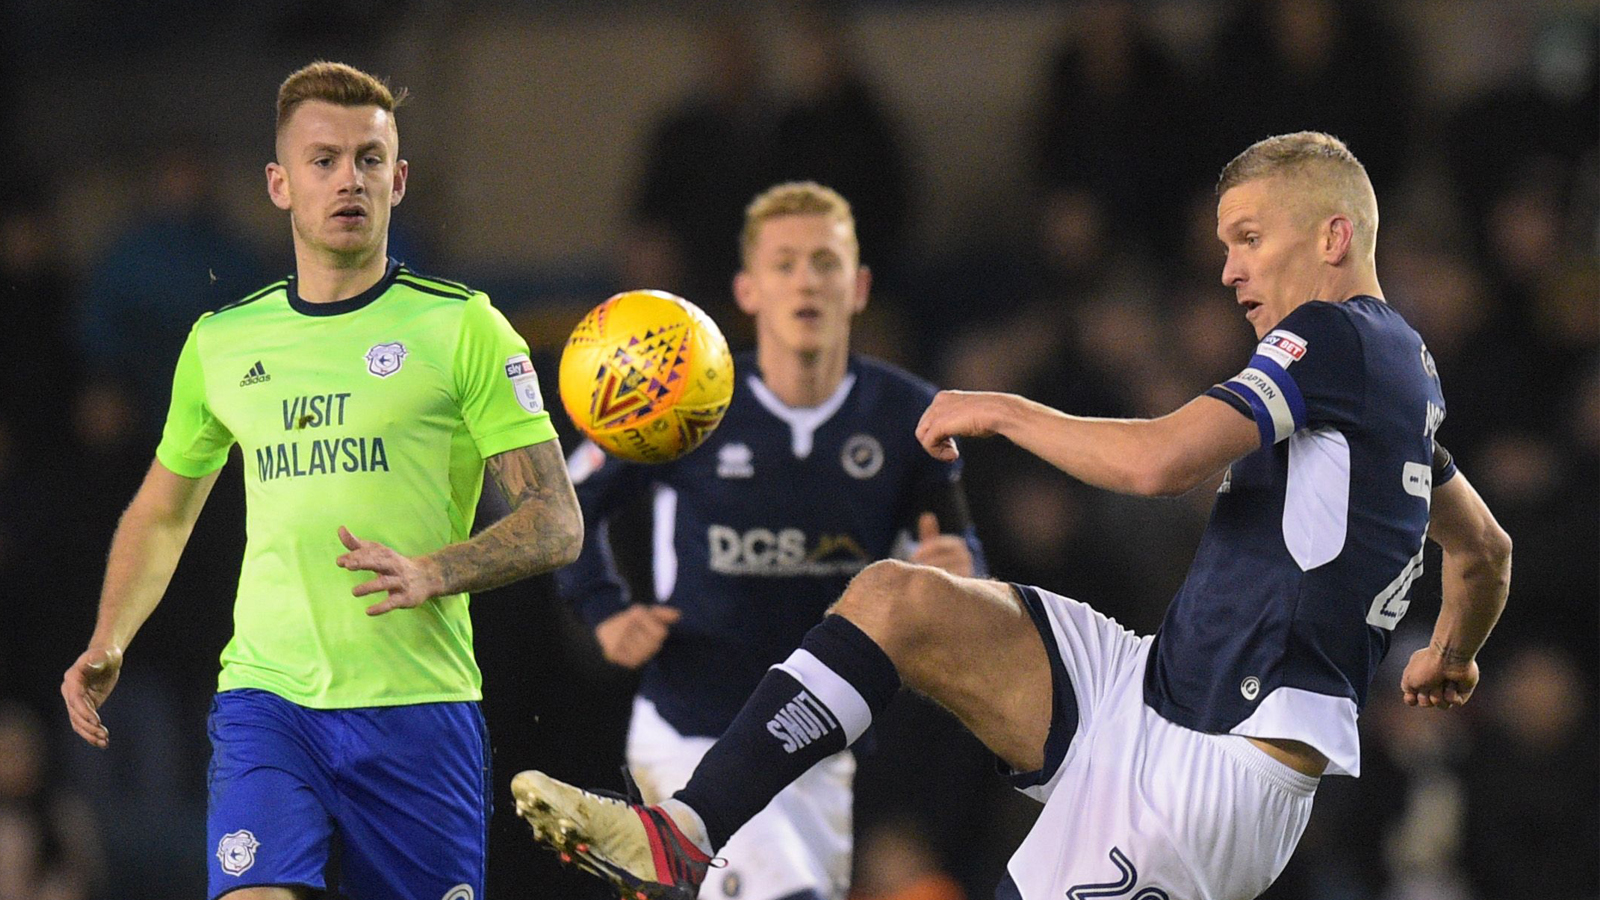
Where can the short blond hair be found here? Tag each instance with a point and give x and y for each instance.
(795, 198)
(1329, 177)
(335, 83)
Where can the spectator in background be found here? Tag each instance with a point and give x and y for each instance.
(1072, 284)
(14, 495)
(1333, 65)
(1453, 306)
(735, 135)
(836, 131)
(1582, 420)
(1117, 122)
(30, 518)
(49, 839)
(53, 498)
(1528, 242)
(1535, 486)
(176, 260)
(1532, 824)
(36, 361)
(704, 161)
(1546, 111)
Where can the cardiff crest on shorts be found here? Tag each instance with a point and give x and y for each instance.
(384, 360)
(237, 851)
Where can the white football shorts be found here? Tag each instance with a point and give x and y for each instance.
(801, 841)
(1139, 807)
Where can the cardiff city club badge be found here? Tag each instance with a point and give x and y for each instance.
(237, 851)
(384, 360)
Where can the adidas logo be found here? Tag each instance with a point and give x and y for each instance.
(801, 721)
(256, 375)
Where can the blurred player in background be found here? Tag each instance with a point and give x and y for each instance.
(367, 401)
(814, 473)
(1183, 764)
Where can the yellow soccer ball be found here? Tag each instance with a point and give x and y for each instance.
(647, 376)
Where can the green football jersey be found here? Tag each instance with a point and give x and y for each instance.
(375, 413)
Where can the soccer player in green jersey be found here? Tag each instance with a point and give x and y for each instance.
(367, 401)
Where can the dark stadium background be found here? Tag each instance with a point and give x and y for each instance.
(1033, 188)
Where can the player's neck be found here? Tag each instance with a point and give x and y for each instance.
(802, 379)
(1365, 286)
(325, 278)
(1346, 284)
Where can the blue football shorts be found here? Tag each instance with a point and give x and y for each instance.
(399, 795)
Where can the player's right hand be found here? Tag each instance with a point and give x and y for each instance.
(632, 637)
(954, 414)
(86, 686)
(1432, 681)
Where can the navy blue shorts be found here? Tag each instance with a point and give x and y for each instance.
(403, 792)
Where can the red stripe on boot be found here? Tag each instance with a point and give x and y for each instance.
(658, 849)
(689, 847)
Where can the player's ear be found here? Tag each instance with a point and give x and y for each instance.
(401, 170)
(1338, 232)
(861, 290)
(744, 292)
(278, 185)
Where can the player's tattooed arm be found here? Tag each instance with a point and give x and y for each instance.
(543, 531)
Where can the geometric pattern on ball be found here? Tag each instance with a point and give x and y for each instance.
(646, 375)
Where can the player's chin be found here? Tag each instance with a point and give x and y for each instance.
(807, 342)
(348, 236)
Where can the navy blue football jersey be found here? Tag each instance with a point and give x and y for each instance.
(757, 532)
(1306, 565)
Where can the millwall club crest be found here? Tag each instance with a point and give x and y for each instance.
(384, 360)
(237, 851)
(862, 456)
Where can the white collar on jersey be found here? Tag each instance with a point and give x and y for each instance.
(803, 420)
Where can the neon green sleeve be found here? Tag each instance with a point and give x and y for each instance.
(498, 390)
(193, 443)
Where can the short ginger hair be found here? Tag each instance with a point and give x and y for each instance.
(1327, 178)
(795, 198)
(335, 83)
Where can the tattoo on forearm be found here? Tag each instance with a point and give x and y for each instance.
(1451, 655)
(541, 533)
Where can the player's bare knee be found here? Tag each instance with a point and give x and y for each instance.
(892, 602)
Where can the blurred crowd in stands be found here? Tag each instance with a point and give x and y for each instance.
(1109, 303)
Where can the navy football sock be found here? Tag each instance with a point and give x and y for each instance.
(807, 708)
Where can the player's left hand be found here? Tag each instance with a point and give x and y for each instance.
(1433, 681)
(946, 551)
(954, 414)
(409, 582)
